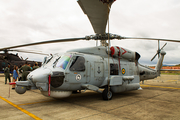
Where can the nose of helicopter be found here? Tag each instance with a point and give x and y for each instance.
(36, 79)
(39, 75)
(40, 78)
(43, 79)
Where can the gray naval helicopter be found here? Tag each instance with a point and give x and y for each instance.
(114, 69)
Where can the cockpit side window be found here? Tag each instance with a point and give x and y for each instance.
(78, 64)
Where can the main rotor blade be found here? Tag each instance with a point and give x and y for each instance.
(45, 42)
(169, 40)
(27, 51)
(97, 13)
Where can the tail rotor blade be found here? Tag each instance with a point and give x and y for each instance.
(158, 51)
(163, 46)
(154, 57)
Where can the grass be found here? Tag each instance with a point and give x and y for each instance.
(170, 72)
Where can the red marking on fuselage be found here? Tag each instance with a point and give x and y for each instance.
(112, 51)
(124, 51)
(49, 88)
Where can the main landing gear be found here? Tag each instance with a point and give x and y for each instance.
(107, 94)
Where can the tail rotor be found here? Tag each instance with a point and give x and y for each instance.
(159, 50)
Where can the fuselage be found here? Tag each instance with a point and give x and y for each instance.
(75, 69)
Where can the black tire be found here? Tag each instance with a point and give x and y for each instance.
(107, 95)
(28, 88)
(76, 91)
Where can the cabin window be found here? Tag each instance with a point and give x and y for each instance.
(78, 64)
(114, 69)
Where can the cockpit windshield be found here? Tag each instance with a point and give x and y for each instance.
(49, 60)
(63, 61)
(57, 61)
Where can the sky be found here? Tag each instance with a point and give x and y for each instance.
(28, 21)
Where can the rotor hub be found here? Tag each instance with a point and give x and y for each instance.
(105, 36)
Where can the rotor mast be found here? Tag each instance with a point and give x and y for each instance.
(104, 43)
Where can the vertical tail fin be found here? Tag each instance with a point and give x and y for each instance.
(160, 61)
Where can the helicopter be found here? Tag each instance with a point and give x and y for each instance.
(114, 69)
(14, 59)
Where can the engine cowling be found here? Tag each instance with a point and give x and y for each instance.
(117, 52)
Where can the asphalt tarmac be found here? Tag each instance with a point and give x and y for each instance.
(159, 100)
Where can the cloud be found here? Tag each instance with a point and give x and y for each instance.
(34, 21)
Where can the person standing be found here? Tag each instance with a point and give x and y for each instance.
(25, 71)
(35, 66)
(20, 75)
(30, 66)
(15, 75)
(7, 74)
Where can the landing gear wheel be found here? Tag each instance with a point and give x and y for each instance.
(76, 91)
(107, 95)
(28, 88)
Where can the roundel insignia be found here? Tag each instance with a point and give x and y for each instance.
(78, 77)
(123, 71)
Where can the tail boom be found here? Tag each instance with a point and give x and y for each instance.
(148, 73)
(160, 62)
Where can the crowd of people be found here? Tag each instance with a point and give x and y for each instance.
(20, 73)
